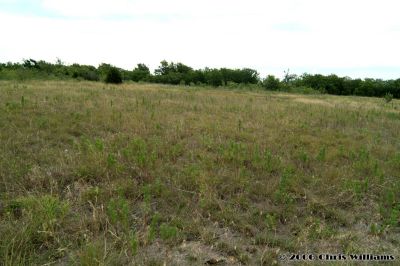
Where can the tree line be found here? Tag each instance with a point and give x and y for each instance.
(178, 73)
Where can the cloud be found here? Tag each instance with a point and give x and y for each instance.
(97, 8)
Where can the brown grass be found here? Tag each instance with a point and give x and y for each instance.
(151, 174)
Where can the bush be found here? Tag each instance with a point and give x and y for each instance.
(110, 74)
(388, 97)
(113, 75)
(271, 83)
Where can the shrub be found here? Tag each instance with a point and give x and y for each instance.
(271, 83)
(388, 97)
(110, 74)
(113, 75)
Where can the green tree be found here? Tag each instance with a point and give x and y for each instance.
(271, 83)
(110, 74)
(140, 73)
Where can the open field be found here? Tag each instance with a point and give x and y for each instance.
(95, 174)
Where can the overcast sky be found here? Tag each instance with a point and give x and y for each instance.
(356, 38)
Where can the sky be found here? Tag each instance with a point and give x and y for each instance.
(355, 38)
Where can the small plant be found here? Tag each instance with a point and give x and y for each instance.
(42, 217)
(318, 229)
(270, 220)
(358, 187)
(388, 97)
(269, 162)
(390, 207)
(282, 195)
(138, 151)
(133, 242)
(92, 254)
(322, 154)
(377, 229)
(146, 199)
(111, 160)
(303, 156)
(234, 151)
(99, 144)
(168, 232)
(153, 227)
(118, 212)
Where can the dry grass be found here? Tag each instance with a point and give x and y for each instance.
(148, 174)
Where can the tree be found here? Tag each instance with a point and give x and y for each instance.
(271, 83)
(249, 75)
(30, 63)
(140, 73)
(113, 75)
(289, 77)
(181, 68)
(110, 74)
(164, 68)
(213, 77)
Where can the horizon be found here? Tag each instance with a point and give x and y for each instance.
(152, 70)
(357, 39)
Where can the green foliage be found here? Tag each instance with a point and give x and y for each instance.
(388, 97)
(82, 72)
(282, 194)
(317, 229)
(333, 84)
(139, 152)
(45, 210)
(358, 187)
(111, 160)
(133, 242)
(85, 182)
(97, 253)
(271, 83)
(288, 79)
(153, 227)
(271, 221)
(322, 154)
(390, 206)
(118, 212)
(140, 73)
(35, 224)
(181, 74)
(168, 232)
(110, 74)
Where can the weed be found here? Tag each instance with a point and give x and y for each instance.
(282, 194)
(388, 97)
(318, 230)
(99, 144)
(116, 175)
(322, 154)
(111, 160)
(390, 206)
(153, 228)
(358, 187)
(168, 232)
(133, 242)
(271, 221)
(118, 212)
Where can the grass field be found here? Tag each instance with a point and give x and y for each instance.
(93, 174)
